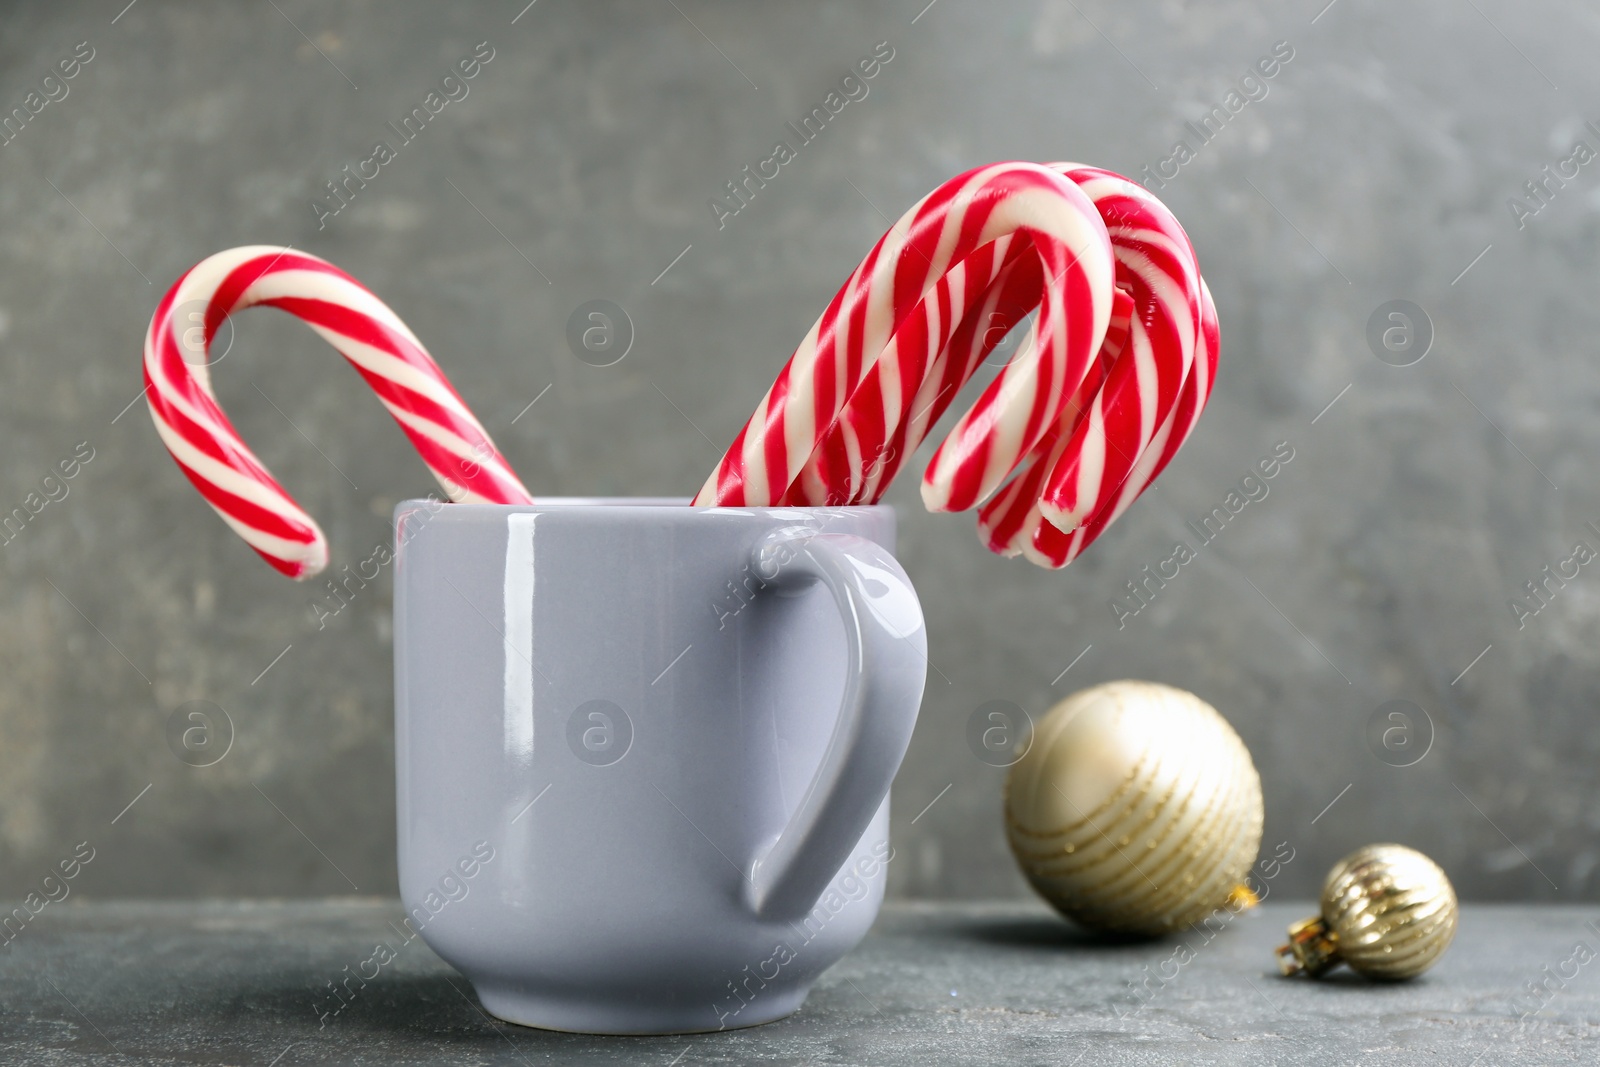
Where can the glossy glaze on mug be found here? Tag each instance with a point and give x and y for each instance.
(624, 889)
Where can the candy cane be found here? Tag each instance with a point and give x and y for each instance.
(1089, 455)
(859, 454)
(1060, 505)
(1157, 266)
(1109, 426)
(1013, 522)
(1044, 214)
(453, 444)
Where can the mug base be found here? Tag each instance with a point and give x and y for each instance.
(580, 1015)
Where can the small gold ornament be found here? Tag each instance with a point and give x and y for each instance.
(1136, 809)
(1387, 910)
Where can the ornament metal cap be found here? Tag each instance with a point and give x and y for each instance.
(1312, 948)
(1388, 911)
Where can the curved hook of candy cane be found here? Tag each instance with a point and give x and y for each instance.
(1025, 400)
(1156, 264)
(1007, 521)
(871, 437)
(1048, 545)
(1093, 461)
(943, 229)
(955, 325)
(1184, 418)
(451, 441)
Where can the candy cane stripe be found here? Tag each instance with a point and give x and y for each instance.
(383, 350)
(1115, 372)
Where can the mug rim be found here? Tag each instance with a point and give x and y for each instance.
(597, 503)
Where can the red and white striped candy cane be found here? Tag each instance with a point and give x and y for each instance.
(453, 444)
(1047, 217)
(1109, 428)
(1061, 504)
(936, 350)
(1012, 523)
(1156, 265)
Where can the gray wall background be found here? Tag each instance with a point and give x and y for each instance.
(1380, 566)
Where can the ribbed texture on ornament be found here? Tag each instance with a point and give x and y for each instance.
(1392, 908)
(1178, 828)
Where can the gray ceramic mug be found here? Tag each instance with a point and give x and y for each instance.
(644, 751)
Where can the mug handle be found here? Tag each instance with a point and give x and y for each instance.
(888, 657)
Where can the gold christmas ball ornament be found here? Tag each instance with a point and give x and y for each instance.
(1387, 910)
(1136, 809)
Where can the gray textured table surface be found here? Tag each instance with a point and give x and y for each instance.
(245, 983)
